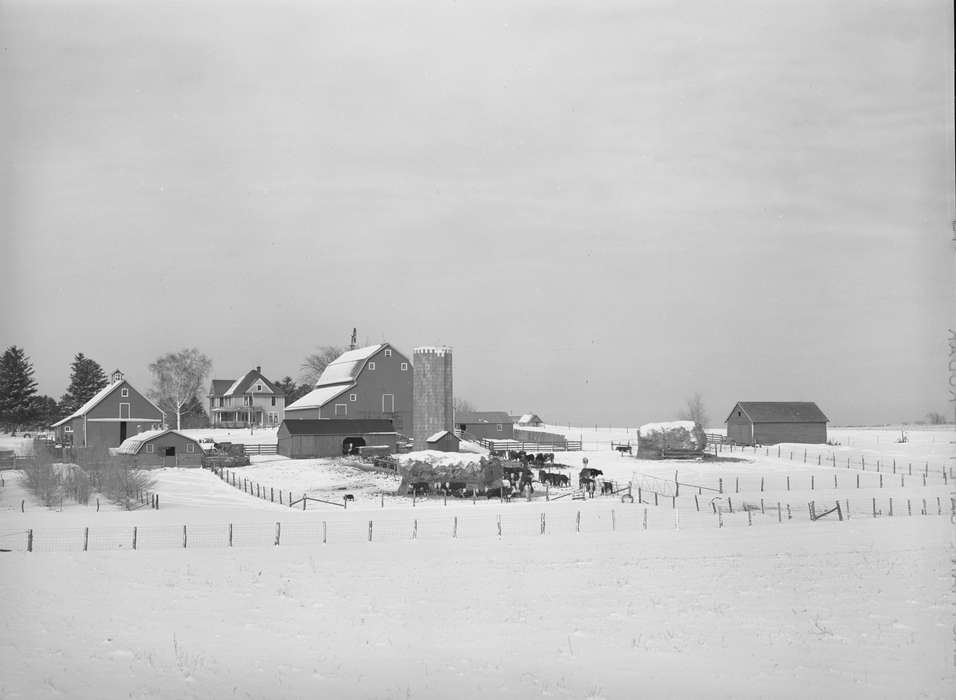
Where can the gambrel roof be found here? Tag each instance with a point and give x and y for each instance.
(780, 412)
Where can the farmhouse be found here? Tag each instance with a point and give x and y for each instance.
(770, 422)
(443, 441)
(367, 383)
(161, 448)
(333, 438)
(251, 400)
(494, 425)
(116, 412)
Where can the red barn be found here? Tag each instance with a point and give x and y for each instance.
(770, 422)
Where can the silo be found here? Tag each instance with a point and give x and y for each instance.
(433, 409)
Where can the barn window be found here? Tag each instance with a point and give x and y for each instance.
(341, 409)
(353, 397)
(149, 448)
(371, 365)
(388, 353)
(404, 366)
(738, 414)
(124, 393)
(500, 428)
(190, 447)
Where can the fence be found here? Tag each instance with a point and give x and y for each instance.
(519, 445)
(483, 523)
(261, 449)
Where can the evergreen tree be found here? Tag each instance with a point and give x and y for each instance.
(194, 415)
(17, 388)
(292, 391)
(46, 411)
(86, 379)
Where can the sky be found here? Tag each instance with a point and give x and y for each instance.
(603, 208)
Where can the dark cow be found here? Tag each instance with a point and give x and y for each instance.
(456, 488)
(419, 488)
(348, 497)
(560, 480)
(623, 448)
(607, 488)
(499, 492)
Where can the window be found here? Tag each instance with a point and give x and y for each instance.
(341, 409)
(404, 366)
(68, 429)
(500, 428)
(258, 387)
(190, 447)
(353, 397)
(124, 393)
(273, 400)
(274, 418)
(220, 402)
(150, 448)
(388, 353)
(371, 365)
(124, 411)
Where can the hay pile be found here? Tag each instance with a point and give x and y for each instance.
(675, 438)
(485, 473)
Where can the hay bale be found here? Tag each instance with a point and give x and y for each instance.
(483, 473)
(678, 438)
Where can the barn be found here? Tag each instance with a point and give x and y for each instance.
(443, 441)
(771, 422)
(161, 448)
(324, 437)
(494, 425)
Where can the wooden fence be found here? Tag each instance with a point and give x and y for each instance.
(262, 449)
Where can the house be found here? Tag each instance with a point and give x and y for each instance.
(494, 425)
(770, 422)
(302, 438)
(115, 413)
(251, 400)
(443, 441)
(371, 382)
(530, 419)
(161, 448)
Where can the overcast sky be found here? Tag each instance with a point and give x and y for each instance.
(603, 207)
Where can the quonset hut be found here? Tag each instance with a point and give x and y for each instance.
(161, 448)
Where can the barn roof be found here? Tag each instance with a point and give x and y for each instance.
(529, 419)
(99, 397)
(319, 397)
(478, 417)
(133, 445)
(780, 412)
(338, 426)
(347, 366)
(439, 435)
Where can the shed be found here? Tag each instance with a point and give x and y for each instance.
(333, 437)
(161, 448)
(530, 419)
(771, 422)
(495, 425)
(443, 441)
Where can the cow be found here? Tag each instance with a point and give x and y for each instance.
(560, 480)
(607, 488)
(456, 488)
(348, 497)
(419, 488)
(623, 448)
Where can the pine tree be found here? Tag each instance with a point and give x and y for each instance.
(86, 379)
(17, 388)
(46, 411)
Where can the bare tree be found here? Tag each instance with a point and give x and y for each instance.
(315, 364)
(935, 418)
(694, 410)
(464, 405)
(177, 378)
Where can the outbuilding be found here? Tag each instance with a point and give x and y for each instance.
(771, 422)
(161, 448)
(443, 441)
(493, 425)
(333, 437)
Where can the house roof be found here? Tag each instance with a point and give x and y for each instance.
(483, 417)
(97, 398)
(133, 445)
(347, 366)
(338, 426)
(245, 382)
(780, 412)
(439, 435)
(319, 397)
(220, 386)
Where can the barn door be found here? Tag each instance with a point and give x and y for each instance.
(388, 403)
(124, 411)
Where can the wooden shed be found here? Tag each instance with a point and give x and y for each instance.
(333, 437)
(161, 448)
(443, 441)
(771, 422)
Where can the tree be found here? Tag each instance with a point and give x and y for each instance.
(177, 379)
(17, 388)
(315, 364)
(935, 418)
(464, 405)
(86, 379)
(694, 410)
(194, 414)
(292, 391)
(46, 411)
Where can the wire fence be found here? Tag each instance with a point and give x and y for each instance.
(361, 528)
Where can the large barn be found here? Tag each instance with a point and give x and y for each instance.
(366, 383)
(333, 438)
(115, 413)
(161, 448)
(771, 422)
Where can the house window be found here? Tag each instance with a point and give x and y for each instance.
(341, 409)
(273, 400)
(220, 402)
(258, 387)
(124, 393)
(149, 448)
(353, 397)
(404, 366)
(500, 428)
(371, 365)
(274, 418)
(388, 353)
(190, 447)
(68, 429)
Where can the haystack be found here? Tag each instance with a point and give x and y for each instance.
(682, 438)
(485, 473)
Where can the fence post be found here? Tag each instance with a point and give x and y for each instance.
(278, 532)
(939, 506)
(818, 460)
(812, 510)
(720, 485)
(762, 511)
(924, 506)
(749, 518)
(655, 498)
(788, 482)
(547, 492)
(834, 480)
(325, 532)
(696, 503)
(156, 498)
(454, 531)
(369, 530)
(858, 481)
(30, 540)
(812, 482)
(720, 518)
(97, 505)
(272, 495)
(909, 507)
(613, 521)
(499, 524)
(847, 509)
(230, 534)
(911, 468)
(789, 514)
(304, 501)
(839, 512)
(645, 519)
(673, 502)
(86, 538)
(542, 523)
(924, 484)
(761, 484)
(290, 499)
(804, 456)
(184, 537)
(415, 529)
(640, 498)
(730, 505)
(280, 498)
(737, 485)
(134, 537)
(779, 513)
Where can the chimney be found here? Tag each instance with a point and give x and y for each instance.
(259, 369)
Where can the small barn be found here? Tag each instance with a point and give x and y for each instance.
(771, 422)
(161, 448)
(333, 437)
(443, 441)
(530, 419)
(493, 425)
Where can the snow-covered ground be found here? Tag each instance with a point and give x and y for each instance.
(21, 446)
(246, 436)
(650, 600)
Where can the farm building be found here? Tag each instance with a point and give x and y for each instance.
(251, 400)
(367, 383)
(443, 441)
(161, 448)
(115, 413)
(493, 425)
(770, 422)
(530, 420)
(300, 439)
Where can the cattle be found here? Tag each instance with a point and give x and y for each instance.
(348, 497)
(543, 476)
(419, 488)
(607, 488)
(623, 448)
(499, 492)
(456, 488)
(560, 480)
